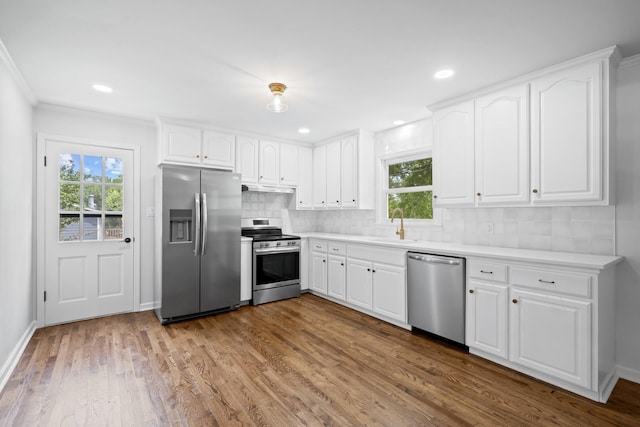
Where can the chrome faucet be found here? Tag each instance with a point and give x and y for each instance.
(400, 231)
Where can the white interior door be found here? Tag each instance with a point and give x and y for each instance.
(88, 231)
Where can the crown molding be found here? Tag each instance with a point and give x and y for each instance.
(5, 58)
(630, 61)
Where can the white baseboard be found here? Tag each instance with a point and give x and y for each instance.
(147, 306)
(628, 374)
(14, 357)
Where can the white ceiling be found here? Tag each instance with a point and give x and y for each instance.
(347, 63)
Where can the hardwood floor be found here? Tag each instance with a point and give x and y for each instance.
(304, 361)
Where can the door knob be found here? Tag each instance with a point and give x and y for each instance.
(127, 239)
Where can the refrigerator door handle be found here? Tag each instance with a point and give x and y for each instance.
(196, 249)
(204, 223)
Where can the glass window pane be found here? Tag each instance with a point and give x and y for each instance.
(69, 167)
(414, 205)
(70, 197)
(69, 228)
(410, 174)
(113, 199)
(91, 226)
(92, 169)
(113, 169)
(113, 227)
(93, 198)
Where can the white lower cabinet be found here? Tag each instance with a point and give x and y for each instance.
(318, 266)
(486, 320)
(389, 291)
(552, 335)
(336, 277)
(555, 323)
(360, 283)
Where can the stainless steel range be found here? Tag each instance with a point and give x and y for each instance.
(276, 261)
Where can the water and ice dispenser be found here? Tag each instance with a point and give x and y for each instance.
(180, 225)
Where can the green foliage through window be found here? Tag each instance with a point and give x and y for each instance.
(409, 188)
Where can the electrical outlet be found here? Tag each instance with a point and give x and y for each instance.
(486, 227)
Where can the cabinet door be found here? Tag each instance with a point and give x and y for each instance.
(502, 147)
(247, 159)
(486, 317)
(181, 144)
(551, 335)
(319, 272)
(566, 136)
(336, 277)
(359, 283)
(218, 149)
(389, 291)
(350, 172)
(246, 269)
(320, 177)
(453, 163)
(289, 165)
(333, 178)
(269, 160)
(304, 192)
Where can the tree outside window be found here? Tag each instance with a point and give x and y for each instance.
(409, 187)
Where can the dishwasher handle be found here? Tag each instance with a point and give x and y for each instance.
(433, 259)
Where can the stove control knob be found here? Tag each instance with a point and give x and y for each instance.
(278, 243)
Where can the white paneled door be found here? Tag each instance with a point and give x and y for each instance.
(88, 231)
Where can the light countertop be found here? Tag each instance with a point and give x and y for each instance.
(568, 259)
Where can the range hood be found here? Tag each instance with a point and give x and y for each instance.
(266, 188)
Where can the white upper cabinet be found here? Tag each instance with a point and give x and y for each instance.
(218, 149)
(320, 176)
(247, 159)
(349, 173)
(187, 145)
(269, 161)
(566, 161)
(289, 165)
(333, 165)
(453, 166)
(304, 192)
(502, 147)
(566, 129)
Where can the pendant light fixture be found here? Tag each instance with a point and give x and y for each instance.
(277, 105)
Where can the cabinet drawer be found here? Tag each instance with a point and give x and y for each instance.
(337, 249)
(319, 246)
(488, 271)
(549, 280)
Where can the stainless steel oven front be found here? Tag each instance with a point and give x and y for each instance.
(276, 270)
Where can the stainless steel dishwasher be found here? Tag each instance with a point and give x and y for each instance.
(436, 294)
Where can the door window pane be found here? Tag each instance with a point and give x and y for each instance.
(113, 199)
(69, 197)
(69, 229)
(69, 167)
(91, 227)
(92, 171)
(113, 229)
(113, 169)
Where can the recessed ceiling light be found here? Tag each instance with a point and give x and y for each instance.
(443, 74)
(398, 122)
(304, 130)
(102, 88)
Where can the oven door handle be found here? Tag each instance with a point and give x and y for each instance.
(265, 251)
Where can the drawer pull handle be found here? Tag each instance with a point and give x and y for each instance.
(515, 301)
(551, 282)
(336, 249)
(486, 272)
(470, 291)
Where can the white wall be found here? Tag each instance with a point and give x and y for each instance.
(102, 127)
(627, 175)
(17, 282)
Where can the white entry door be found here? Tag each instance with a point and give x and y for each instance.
(88, 231)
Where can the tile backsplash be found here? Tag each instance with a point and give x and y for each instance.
(566, 229)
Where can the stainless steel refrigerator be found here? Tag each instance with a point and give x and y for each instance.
(197, 228)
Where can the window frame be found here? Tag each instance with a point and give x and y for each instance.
(384, 161)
